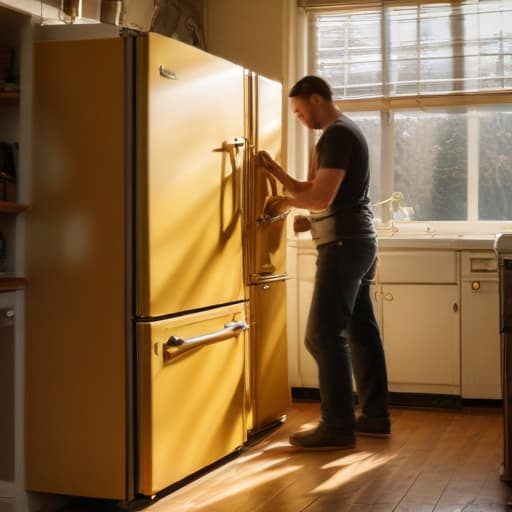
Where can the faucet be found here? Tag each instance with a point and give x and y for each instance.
(389, 207)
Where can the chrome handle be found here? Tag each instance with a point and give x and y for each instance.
(230, 329)
(166, 73)
(9, 313)
(238, 142)
(267, 219)
(232, 149)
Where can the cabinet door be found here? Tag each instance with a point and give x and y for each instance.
(480, 340)
(421, 337)
(308, 371)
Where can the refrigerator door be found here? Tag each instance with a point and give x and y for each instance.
(190, 110)
(270, 392)
(190, 394)
(266, 237)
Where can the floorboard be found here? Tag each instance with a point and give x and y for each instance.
(434, 461)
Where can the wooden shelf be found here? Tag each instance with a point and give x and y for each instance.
(9, 98)
(12, 207)
(12, 283)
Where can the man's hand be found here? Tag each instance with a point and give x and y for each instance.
(265, 160)
(301, 223)
(275, 205)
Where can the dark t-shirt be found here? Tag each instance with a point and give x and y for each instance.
(342, 145)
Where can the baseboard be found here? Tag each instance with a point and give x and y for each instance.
(305, 394)
(482, 402)
(427, 400)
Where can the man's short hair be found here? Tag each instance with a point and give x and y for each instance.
(310, 85)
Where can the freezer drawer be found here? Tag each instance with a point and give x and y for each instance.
(190, 398)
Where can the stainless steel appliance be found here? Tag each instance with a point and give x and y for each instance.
(503, 248)
(138, 352)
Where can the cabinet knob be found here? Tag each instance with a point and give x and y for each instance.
(475, 285)
(388, 296)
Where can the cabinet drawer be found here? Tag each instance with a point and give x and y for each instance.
(418, 267)
(484, 264)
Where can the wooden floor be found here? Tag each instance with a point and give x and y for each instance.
(442, 461)
(435, 460)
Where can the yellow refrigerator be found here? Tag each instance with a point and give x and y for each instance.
(136, 311)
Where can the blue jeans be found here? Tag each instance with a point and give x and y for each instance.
(342, 333)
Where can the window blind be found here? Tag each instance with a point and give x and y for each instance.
(404, 52)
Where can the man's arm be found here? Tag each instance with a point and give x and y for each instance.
(316, 197)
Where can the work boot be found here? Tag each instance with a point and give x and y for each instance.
(373, 426)
(323, 437)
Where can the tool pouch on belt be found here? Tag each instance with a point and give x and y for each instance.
(323, 227)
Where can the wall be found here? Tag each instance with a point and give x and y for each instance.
(248, 33)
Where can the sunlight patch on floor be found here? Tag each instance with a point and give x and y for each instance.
(251, 482)
(350, 470)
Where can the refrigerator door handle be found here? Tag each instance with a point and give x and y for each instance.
(230, 329)
(267, 219)
(228, 147)
(166, 73)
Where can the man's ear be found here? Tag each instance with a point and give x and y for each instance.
(315, 99)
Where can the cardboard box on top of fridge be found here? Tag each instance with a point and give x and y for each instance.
(132, 14)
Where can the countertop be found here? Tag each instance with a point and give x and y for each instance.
(456, 242)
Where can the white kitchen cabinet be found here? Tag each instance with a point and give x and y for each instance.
(480, 347)
(418, 293)
(307, 369)
(420, 331)
(438, 311)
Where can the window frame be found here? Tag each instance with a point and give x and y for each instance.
(387, 105)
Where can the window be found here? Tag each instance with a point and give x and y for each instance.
(434, 81)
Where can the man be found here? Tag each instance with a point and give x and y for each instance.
(341, 326)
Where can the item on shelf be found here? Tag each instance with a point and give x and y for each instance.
(6, 59)
(7, 187)
(70, 10)
(11, 87)
(9, 158)
(129, 14)
(3, 254)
